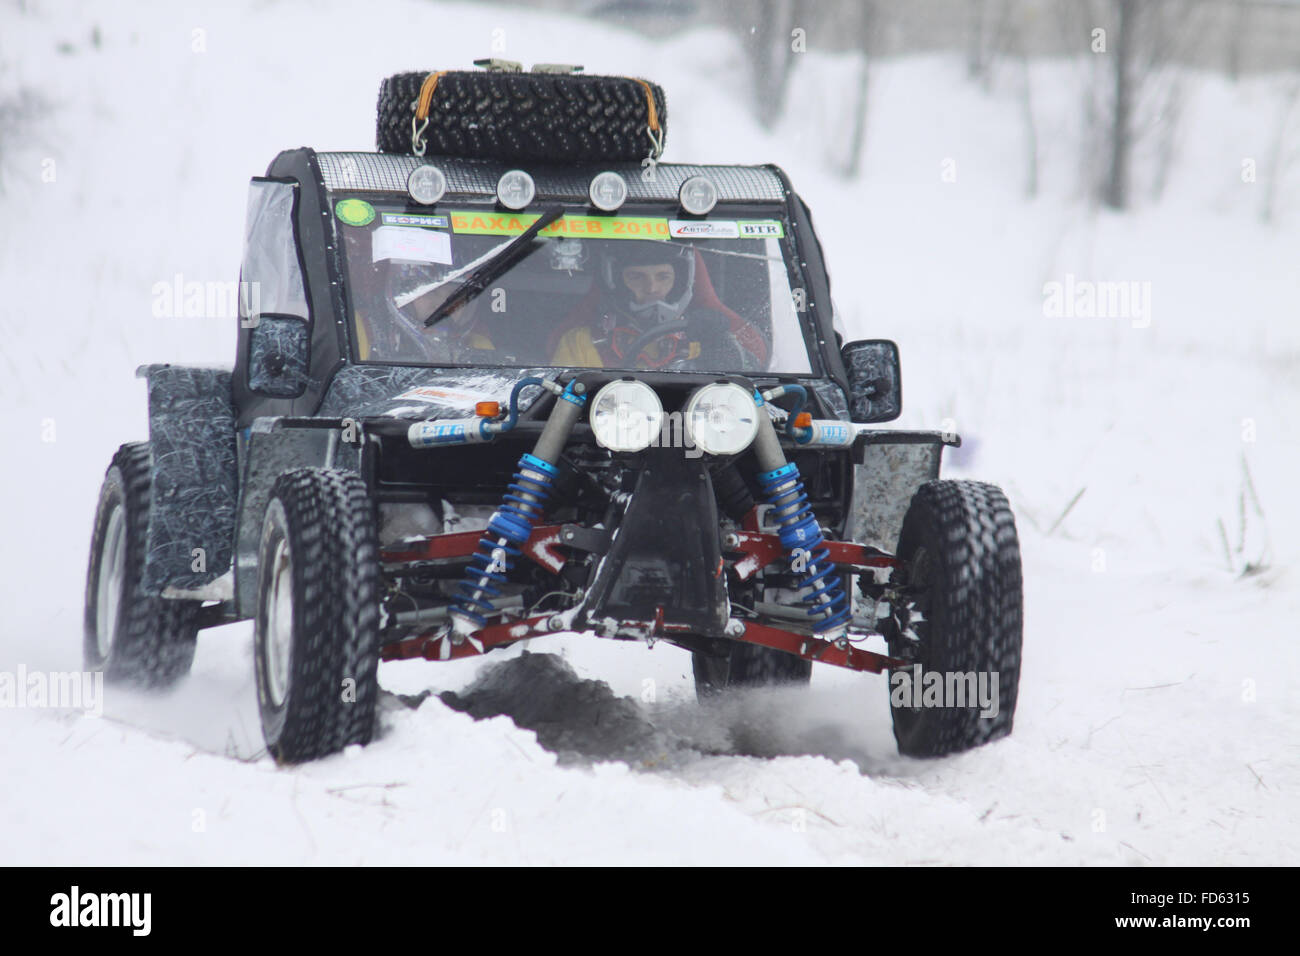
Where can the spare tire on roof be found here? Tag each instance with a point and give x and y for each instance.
(537, 117)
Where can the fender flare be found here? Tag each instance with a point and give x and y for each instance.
(194, 476)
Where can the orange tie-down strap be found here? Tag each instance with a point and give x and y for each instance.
(650, 105)
(426, 94)
(430, 83)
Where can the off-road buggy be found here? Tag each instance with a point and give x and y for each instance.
(513, 375)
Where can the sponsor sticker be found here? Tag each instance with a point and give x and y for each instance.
(585, 227)
(410, 245)
(832, 434)
(703, 229)
(761, 229)
(413, 219)
(354, 212)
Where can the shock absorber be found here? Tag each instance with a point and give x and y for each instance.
(512, 524)
(801, 536)
(802, 539)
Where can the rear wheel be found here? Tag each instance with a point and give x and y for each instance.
(748, 665)
(316, 638)
(133, 637)
(959, 617)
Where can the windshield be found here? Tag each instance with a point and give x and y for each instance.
(590, 292)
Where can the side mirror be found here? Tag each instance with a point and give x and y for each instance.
(875, 380)
(278, 354)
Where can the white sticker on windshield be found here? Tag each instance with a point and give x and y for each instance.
(411, 245)
(702, 229)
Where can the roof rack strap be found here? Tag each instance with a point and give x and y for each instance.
(652, 127)
(421, 118)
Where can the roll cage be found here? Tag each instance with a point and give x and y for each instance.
(318, 179)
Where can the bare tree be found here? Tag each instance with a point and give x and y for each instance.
(768, 41)
(976, 53)
(1133, 90)
(863, 24)
(1279, 159)
(1027, 114)
(993, 31)
(1234, 38)
(1126, 25)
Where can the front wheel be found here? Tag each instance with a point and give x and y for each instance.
(957, 620)
(316, 638)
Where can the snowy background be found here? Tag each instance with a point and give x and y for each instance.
(1159, 712)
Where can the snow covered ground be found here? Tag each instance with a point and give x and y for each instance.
(1160, 694)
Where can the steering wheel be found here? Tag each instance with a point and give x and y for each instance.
(438, 345)
(651, 335)
(716, 343)
(406, 334)
(411, 338)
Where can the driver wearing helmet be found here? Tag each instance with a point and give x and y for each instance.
(391, 300)
(647, 306)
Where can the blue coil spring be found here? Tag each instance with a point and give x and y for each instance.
(798, 528)
(508, 528)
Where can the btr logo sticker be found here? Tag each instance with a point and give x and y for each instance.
(761, 229)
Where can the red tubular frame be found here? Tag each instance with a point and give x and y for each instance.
(761, 548)
(815, 649)
(430, 646)
(756, 549)
(540, 546)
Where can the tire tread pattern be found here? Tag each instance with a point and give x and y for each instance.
(335, 565)
(976, 620)
(537, 117)
(156, 638)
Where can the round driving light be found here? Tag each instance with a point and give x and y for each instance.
(426, 184)
(515, 189)
(721, 419)
(698, 195)
(626, 415)
(608, 191)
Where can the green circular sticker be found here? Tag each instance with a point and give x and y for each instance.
(354, 212)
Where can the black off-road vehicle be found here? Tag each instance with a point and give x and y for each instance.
(512, 375)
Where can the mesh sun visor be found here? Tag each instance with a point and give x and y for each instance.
(383, 172)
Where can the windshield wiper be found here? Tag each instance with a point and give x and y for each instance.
(509, 254)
